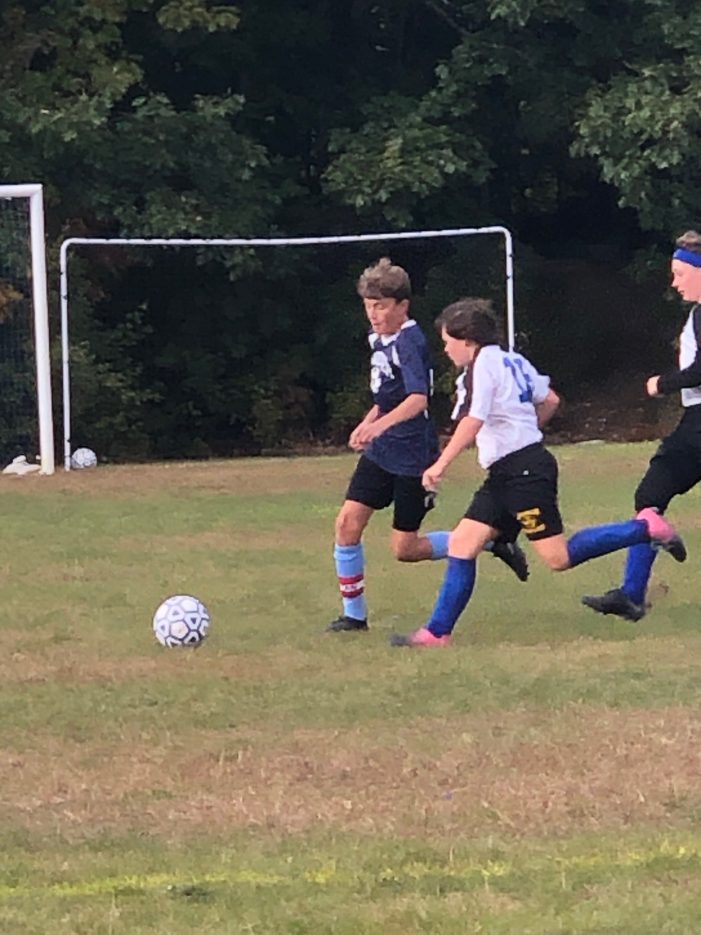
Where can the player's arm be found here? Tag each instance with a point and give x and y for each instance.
(416, 388)
(370, 416)
(409, 408)
(354, 440)
(463, 437)
(547, 408)
(677, 379)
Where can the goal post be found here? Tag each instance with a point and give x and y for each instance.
(256, 242)
(34, 271)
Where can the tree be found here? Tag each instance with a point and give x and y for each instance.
(191, 117)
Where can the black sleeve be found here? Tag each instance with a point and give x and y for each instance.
(690, 376)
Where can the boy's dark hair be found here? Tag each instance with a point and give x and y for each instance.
(470, 320)
(690, 240)
(382, 280)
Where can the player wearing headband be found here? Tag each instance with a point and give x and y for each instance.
(676, 465)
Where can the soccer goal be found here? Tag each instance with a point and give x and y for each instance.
(26, 422)
(249, 244)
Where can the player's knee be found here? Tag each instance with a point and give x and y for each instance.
(347, 529)
(653, 491)
(464, 546)
(556, 558)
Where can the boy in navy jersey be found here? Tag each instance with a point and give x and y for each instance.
(502, 412)
(676, 465)
(397, 441)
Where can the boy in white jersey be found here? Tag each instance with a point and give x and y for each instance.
(502, 413)
(676, 465)
(397, 441)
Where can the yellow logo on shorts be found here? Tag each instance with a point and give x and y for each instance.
(531, 521)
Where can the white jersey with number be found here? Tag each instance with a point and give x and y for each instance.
(501, 389)
(688, 351)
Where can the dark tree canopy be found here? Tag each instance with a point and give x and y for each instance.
(573, 123)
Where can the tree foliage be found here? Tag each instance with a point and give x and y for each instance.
(573, 123)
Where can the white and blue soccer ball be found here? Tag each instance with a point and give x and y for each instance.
(181, 620)
(83, 458)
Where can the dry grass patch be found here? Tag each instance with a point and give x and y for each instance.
(74, 664)
(241, 476)
(68, 665)
(522, 773)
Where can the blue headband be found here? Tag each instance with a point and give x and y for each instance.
(686, 256)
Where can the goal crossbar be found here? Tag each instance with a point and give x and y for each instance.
(258, 242)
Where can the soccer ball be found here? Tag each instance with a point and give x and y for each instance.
(181, 620)
(83, 458)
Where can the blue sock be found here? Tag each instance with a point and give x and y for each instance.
(600, 540)
(639, 562)
(454, 595)
(439, 544)
(350, 568)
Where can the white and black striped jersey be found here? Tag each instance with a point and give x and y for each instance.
(501, 389)
(688, 377)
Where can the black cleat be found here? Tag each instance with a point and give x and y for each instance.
(674, 547)
(512, 554)
(346, 625)
(662, 534)
(615, 602)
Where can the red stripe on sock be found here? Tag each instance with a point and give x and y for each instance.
(352, 586)
(352, 594)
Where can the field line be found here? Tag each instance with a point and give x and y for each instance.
(135, 884)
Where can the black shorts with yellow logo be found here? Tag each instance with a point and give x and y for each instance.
(520, 494)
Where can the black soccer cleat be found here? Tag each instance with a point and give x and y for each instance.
(662, 534)
(512, 555)
(347, 625)
(674, 547)
(615, 602)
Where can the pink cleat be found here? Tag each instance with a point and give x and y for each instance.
(420, 638)
(663, 534)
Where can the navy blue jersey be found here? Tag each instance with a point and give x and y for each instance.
(400, 366)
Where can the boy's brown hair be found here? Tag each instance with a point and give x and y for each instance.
(383, 280)
(690, 240)
(470, 320)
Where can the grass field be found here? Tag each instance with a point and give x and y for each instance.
(542, 776)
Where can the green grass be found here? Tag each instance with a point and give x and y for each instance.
(540, 777)
(354, 885)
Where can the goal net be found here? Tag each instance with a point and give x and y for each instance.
(26, 426)
(208, 342)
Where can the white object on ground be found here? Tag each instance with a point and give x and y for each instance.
(21, 466)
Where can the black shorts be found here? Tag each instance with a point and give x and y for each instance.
(520, 493)
(676, 465)
(372, 486)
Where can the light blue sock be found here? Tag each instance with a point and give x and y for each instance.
(600, 540)
(439, 544)
(636, 577)
(453, 597)
(350, 568)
